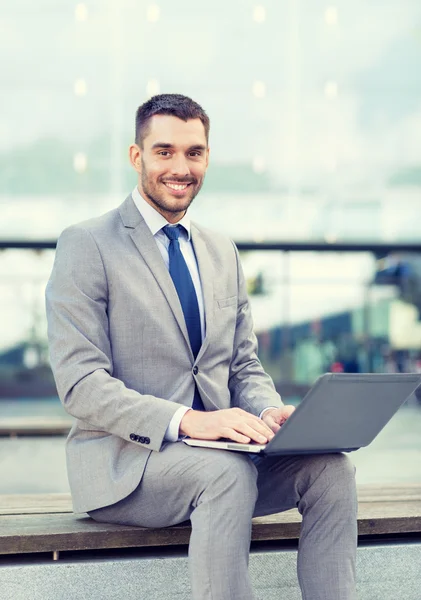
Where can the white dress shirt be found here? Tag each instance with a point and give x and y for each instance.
(155, 221)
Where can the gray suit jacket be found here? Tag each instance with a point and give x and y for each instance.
(120, 351)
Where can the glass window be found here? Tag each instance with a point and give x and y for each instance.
(315, 111)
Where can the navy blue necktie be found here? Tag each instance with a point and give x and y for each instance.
(183, 283)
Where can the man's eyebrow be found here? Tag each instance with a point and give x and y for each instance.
(162, 145)
(167, 145)
(197, 147)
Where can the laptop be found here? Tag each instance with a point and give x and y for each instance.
(342, 412)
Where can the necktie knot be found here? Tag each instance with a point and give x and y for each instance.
(172, 233)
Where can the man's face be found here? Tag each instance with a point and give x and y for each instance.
(172, 164)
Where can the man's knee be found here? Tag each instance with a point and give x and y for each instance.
(230, 472)
(341, 468)
(336, 475)
(330, 474)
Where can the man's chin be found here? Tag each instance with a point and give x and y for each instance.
(173, 208)
(175, 205)
(165, 201)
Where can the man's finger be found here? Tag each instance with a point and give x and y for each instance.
(234, 435)
(256, 420)
(280, 415)
(261, 427)
(256, 435)
(272, 424)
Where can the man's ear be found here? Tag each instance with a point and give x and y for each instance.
(135, 156)
(207, 156)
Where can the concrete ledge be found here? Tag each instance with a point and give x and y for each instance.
(384, 572)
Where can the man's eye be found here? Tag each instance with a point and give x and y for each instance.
(164, 153)
(195, 153)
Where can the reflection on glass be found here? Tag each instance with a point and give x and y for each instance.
(313, 312)
(24, 363)
(315, 121)
(317, 312)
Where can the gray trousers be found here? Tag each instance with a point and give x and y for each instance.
(220, 492)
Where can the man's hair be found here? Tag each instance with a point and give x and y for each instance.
(176, 105)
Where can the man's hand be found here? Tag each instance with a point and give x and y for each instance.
(232, 423)
(275, 417)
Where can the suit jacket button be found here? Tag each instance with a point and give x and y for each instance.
(137, 438)
(142, 440)
(147, 440)
(132, 437)
(195, 370)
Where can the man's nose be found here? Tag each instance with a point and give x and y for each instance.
(179, 165)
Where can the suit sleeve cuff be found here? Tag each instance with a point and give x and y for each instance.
(263, 411)
(173, 429)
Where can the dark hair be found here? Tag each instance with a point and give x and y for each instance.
(168, 104)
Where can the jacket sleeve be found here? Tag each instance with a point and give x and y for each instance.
(250, 386)
(80, 348)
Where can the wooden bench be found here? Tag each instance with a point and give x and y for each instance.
(45, 523)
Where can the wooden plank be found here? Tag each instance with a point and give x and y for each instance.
(13, 504)
(389, 493)
(373, 519)
(35, 426)
(52, 532)
(25, 504)
(49, 533)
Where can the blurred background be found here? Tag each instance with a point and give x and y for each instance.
(315, 172)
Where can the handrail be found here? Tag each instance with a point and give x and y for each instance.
(377, 248)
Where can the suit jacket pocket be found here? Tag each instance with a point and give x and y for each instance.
(224, 302)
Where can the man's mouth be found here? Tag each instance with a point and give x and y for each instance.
(178, 187)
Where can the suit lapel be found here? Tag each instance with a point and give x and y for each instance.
(206, 278)
(146, 244)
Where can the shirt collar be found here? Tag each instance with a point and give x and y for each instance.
(153, 219)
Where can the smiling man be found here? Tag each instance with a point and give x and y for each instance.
(161, 164)
(151, 338)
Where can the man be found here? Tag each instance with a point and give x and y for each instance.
(151, 339)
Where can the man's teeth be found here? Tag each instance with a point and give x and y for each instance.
(174, 186)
